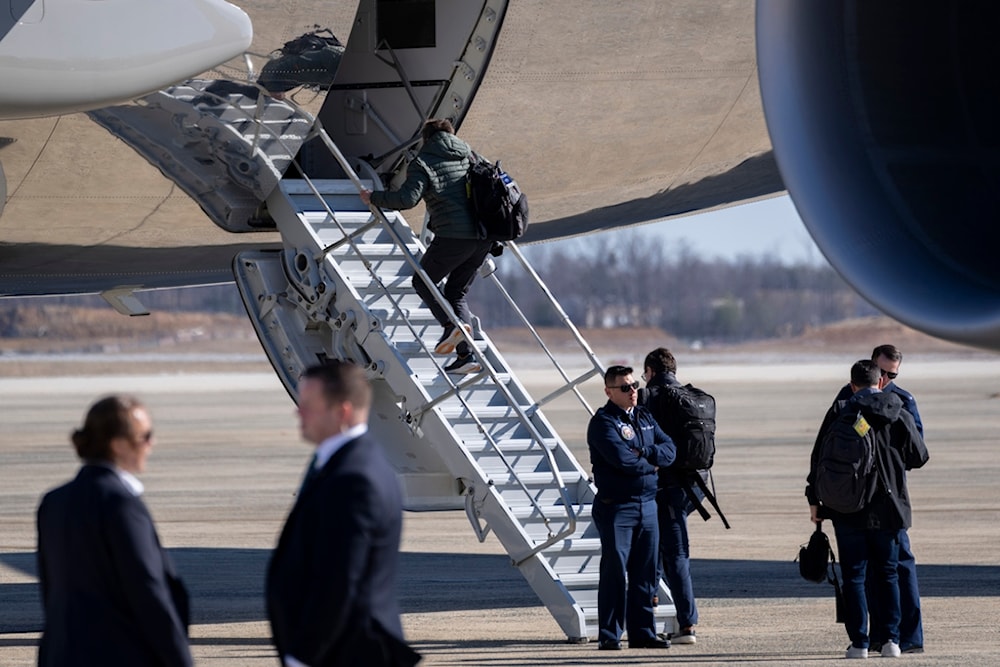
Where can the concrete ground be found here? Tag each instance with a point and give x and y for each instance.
(228, 458)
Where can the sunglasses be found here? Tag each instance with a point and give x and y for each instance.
(627, 387)
(146, 437)
(887, 374)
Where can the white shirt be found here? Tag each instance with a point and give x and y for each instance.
(131, 482)
(332, 445)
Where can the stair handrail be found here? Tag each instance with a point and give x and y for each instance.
(570, 384)
(523, 416)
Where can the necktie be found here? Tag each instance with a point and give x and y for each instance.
(311, 472)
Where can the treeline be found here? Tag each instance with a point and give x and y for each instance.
(609, 281)
(629, 281)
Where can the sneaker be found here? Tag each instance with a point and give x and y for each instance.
(463, 365)
(890, 650)
(856, 652)
(684, 637)
(451, 337)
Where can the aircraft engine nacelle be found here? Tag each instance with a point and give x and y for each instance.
(62, 56)
(885, 121)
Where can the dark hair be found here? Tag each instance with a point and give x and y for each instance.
(890, 352)
(865, 373)
(436, 125)
(660, 360)
(107, 419)
(342, 381)
(616, 372)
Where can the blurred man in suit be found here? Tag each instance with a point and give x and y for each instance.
(110, 593)
(331, 583)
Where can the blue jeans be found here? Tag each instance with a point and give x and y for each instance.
(629, 538)
(859, 547)
(911, 629)
(673, 507)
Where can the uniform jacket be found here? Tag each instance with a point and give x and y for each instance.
(620, 473)
(898, 448)
(109, 590)
(331, 582)
(437, 175)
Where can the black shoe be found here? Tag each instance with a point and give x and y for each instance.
(608, 645)
(451, 337)
(911, 648)
(874, 647)
(653, 642)
(463, 366)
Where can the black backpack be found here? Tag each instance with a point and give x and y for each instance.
(497, 204)
(687, 414)
(310, 41)
(846, 471)
(817, 563)
(688, 417)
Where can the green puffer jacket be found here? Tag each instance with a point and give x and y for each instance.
(437, 175)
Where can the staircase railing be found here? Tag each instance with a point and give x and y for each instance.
(524, 415)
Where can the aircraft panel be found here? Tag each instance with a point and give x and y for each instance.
(606, 114)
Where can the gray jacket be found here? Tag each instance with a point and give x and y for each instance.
(437, 175)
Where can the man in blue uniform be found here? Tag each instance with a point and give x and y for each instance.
(626, 450)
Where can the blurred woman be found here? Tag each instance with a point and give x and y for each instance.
(109, 591)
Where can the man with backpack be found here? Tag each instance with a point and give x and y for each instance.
(911, 631)
(438, 176)
(860, 458)
(686, 417)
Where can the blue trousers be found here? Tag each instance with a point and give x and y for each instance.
(911, 629)
(629, 539)
(673, 507)
(863, 551)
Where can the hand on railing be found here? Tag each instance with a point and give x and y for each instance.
(366, 197)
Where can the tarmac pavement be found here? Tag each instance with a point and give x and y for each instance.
(228, 458)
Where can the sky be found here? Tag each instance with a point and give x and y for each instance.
(771, 227)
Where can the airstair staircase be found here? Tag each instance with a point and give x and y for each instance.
(341, 288)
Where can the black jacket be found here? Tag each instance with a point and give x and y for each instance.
(331, 583)
(110, 593)
(898, 448)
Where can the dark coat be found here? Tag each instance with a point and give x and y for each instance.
(437, 175)
(898, 448)
(331, 582)
(620, 473)
(109, 590)
(909, 403)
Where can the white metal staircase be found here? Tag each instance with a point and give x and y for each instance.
(341, 287)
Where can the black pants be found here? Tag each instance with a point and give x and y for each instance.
(458, 259)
